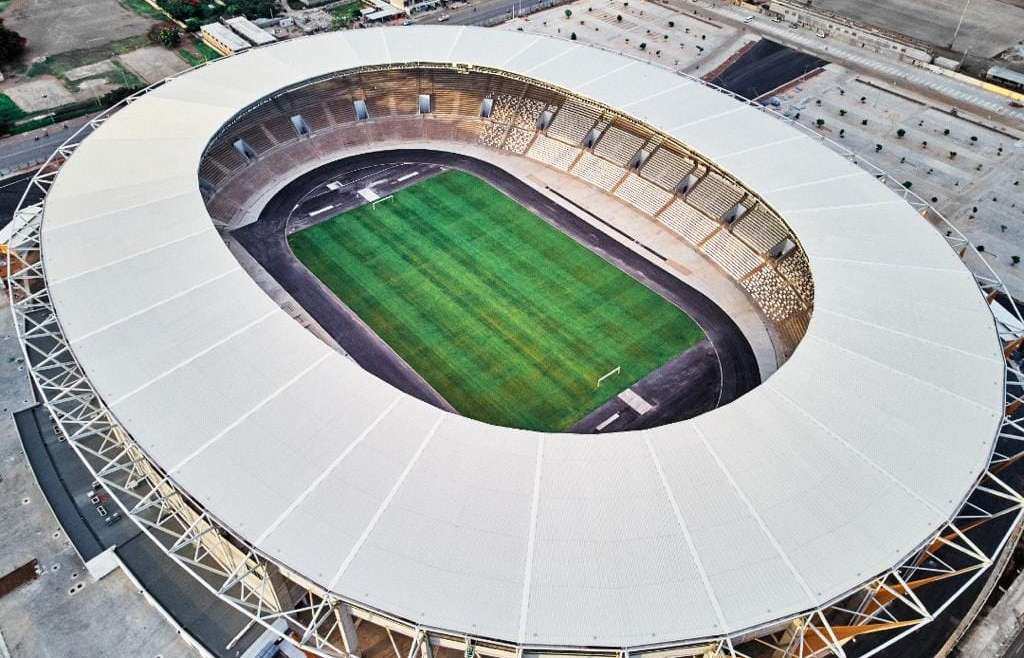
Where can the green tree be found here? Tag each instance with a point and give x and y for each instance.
(181, 9)
(170, 37)
(12, 44)
(900, 133)
(568, 13)
(572, 37)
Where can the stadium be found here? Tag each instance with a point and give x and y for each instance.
(444, 340)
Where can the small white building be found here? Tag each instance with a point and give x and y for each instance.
(222, 39)
(250, 31)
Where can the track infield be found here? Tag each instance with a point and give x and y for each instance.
(509, 319)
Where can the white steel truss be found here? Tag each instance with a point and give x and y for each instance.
(888, 607)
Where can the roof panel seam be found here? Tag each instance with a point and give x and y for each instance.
(553, 58)
(904, 334)
(531, 542)
(238, 421)
(132, 256)
(365, 534)
(178, 295)
(605, 75)
(685, 82)
(849, 446)
(778, 142)
(455, 43)
(953, 268)
(904, 373)
(181, 364)
(522, 50)
(120, 209)
(707, 118)
(327, 471)
(848, 206)
(812, 183)
(812, 600)
(687, 537)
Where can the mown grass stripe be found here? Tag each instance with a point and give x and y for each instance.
(509, 319)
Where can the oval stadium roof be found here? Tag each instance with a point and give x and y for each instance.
(835, 469)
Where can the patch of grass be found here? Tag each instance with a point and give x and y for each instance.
(143, 8)
(193, 59)
(60, 64)
(511, 320)
(197, 52)
(9, 110)
(343, 15)
(206, 51)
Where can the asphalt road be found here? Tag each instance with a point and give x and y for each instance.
(483, 12)
(11, 190)
(24, 150)
(306, 201)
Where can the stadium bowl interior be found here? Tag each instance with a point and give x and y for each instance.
(838, 468)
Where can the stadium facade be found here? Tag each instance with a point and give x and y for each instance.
(854, 494)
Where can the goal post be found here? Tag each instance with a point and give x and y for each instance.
(390, 197)
(611, 373)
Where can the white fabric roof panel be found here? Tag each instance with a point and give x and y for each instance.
(794, 494)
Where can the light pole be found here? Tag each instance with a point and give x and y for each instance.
(959, 23)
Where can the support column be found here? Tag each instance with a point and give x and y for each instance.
(347, 627)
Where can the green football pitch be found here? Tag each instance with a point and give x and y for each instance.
(509, 319)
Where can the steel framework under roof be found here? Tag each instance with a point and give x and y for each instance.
(145, 334)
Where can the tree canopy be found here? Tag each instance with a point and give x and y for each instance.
(12, 44)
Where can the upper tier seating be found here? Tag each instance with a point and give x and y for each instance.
(618, 146)
(666, 168)
(714, 195)
(688, 222)
(518, 140)
(797, 271)
(731, 254)
(573, 121)
(772, 293)
(553, 152)
(598, 171)
(642, 194)
(493, 134)
(760, 228)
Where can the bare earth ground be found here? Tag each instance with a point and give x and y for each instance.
(990, 26)
(42, 93)
(154, 63)
(56, 26)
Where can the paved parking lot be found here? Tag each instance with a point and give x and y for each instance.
(64, 612)
(980, 189)
(990, 26)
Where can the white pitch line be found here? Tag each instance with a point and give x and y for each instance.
(321, 211)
